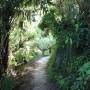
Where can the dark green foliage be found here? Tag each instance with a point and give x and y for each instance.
(7, 83)
(70, 65)
(9, 8)
(52, 71)
(47, 20)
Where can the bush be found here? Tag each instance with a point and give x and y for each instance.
(47, 20)
(7, 83)
(82, 81)
(19, 56)
(45, 42)
(51, 64)
(77, 79)
(72, 56)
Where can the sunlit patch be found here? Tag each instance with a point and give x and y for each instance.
(43, 60)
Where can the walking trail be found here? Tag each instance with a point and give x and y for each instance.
(37, 78)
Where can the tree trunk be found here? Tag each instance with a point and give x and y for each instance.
(4, 52)
(4, 39)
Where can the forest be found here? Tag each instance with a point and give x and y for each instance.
(44, 44)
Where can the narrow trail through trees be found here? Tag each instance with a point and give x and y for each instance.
(37, 78)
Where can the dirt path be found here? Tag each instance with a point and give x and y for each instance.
(37, 78)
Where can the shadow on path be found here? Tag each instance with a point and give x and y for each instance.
(37, 78)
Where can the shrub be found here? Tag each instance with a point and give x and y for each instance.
(51, 64)
(45, 42)
(7, 83)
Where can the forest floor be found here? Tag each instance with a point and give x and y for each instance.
(37, 77)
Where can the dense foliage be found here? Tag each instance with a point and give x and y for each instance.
(16, 43)
(7, 83)
(27, 45)
(10, 10)
(67, 20)
(69, 62)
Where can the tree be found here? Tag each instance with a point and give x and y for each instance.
(7, 11)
